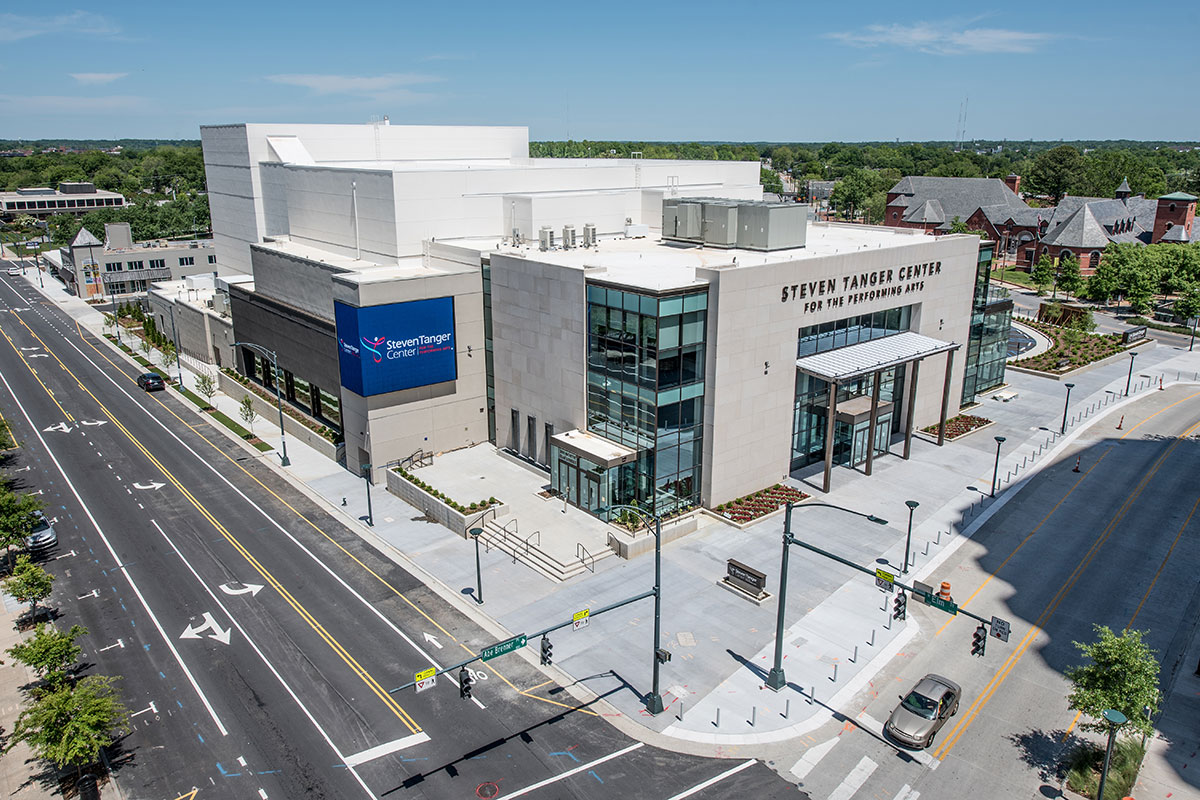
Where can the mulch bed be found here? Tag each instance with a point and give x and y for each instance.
(760, 503)
(958, 426)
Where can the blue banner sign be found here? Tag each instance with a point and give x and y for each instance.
(396, 346)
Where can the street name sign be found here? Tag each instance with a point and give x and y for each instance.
(949, 606)
(515, 643)
(885, 580)
(580, 619)
(426, 679)
(1000, 628)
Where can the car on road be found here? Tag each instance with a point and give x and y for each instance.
(151, 382)
(14, 270)
(43, 536)
(923, 711)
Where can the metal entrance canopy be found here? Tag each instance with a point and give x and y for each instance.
(856, 360)
(872, 358)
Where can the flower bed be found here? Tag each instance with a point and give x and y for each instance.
(459, 507)
(959, 426)
(760, 503)
(1071, 349)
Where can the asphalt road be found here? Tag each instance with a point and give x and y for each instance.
(1114, 544)
(256, 636)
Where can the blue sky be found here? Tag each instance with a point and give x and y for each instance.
(767, 71)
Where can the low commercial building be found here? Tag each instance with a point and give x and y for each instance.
(76, 198)
(119, 267)
(197, 309)
(650, 334)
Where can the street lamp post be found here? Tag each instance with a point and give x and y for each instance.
(654, 701)
(996, 471)
(366, 473)
(175, 336)
(1066, 404)
(1192, 342)
(278, 398)
(912, 506)
(1115, 720)
(475, 534)
(1129, 379)
(775, 678)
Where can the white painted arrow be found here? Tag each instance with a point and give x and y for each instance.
(433, 640)
(252, 588)
(221, 636)
(120, 643)
(93, 422)
(30, 349)
(39, 355)
(60, 427)
(151, 485)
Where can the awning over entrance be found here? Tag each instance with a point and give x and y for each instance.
(856, 360)
(595, 449)
(872, 358)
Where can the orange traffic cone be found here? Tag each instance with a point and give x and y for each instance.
(1122, 422)
(1160, 386)
(1077, 460)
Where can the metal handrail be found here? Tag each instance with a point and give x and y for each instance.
(584, 555)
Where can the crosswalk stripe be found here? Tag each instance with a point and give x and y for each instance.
(854, 781)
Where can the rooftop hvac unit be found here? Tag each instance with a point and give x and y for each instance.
(589, 235)
(546, 238)
(516, 237)
(568, 240)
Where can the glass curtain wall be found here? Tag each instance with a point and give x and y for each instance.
(849, 441)
(646, 391)
(488, 358)
(852, 330)
(987, 345)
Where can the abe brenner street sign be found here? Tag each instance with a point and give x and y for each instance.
(515, 643)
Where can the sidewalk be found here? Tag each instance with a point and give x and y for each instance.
(722, 644)
(23, 776)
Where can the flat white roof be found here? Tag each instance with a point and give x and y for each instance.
(656, 265)
(445, 165)
(365, 270)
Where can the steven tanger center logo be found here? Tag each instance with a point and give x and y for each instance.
(373, 345)
(348, 348)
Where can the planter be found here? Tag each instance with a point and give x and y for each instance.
(270, 411)
(435, 509)
(628, 544)
(959, 426)
(752, 508)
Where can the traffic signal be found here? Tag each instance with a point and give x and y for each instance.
(979, 641)
(547, 652)
(900, 607)
(465, 681)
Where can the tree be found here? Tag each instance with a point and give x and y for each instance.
(169, 356)
(62, 229)
(770, 180)
(18, 516)
(72, 724)
(1123, 674)
(1054, 171)
(1187, 305)
(206, 386)
(1069, 278)
(246, 411)
(851, 192)
(29, 583)
(1042, 274)
(50, 653)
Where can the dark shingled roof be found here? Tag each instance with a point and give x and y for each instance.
(1178, 233)
(960, 197)
(929, 211)
(1082, 229)
(85, 239)
(1124, 187)
(1178, 196)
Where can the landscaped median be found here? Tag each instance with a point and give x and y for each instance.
(1070, 349)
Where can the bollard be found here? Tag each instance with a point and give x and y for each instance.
(680, 714)
(834, 677)
(926, 548)
(787, 708)
(753, 715)
(939, 536)
(718, 722)
(872, 642)
(854, 658)
(812, 694)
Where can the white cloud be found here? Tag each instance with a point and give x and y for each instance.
(60, 104)
(97, 78)
(391, 87)
(944, 39)
(15, 27)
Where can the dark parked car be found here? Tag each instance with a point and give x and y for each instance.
(923, 712)
(151, 382)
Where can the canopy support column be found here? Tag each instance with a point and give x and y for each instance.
(830, 420)
(912, 409)
(876, 380)
(945, 398)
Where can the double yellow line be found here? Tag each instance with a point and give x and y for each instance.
(33, 371)
(300, 515)
(1006, 669)
(333, 643)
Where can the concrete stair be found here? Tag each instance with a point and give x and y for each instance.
(557, 567)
